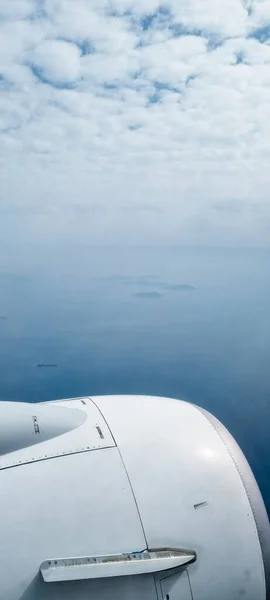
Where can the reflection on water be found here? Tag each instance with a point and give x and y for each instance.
(182, 323)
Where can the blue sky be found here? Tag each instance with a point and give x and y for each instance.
(131, 121)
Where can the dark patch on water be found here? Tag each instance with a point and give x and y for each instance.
(148, 295)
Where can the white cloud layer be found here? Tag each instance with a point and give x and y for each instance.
(57, 62)
(132, 121)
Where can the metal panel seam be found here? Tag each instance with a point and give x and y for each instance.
(191, 592)
(123, 463)
(64, 455)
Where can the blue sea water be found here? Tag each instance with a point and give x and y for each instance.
(190, 324)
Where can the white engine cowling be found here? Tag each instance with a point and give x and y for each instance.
(127, 497)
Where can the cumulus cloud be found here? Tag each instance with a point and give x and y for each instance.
(130, 104)
(57, 62)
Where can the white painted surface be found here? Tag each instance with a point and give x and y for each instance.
(77, 423)
(175, 460)
(139, 587)
(176, 587)
(76, 505)
(79, 501)
(24, 425)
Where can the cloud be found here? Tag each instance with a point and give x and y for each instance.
(16, 10)
(131, 121)
(57, 62)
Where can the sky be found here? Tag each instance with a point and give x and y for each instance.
(135, 122)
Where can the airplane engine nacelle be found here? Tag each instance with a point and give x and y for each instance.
(127, 498)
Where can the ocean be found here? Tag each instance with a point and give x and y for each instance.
(186, 323)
